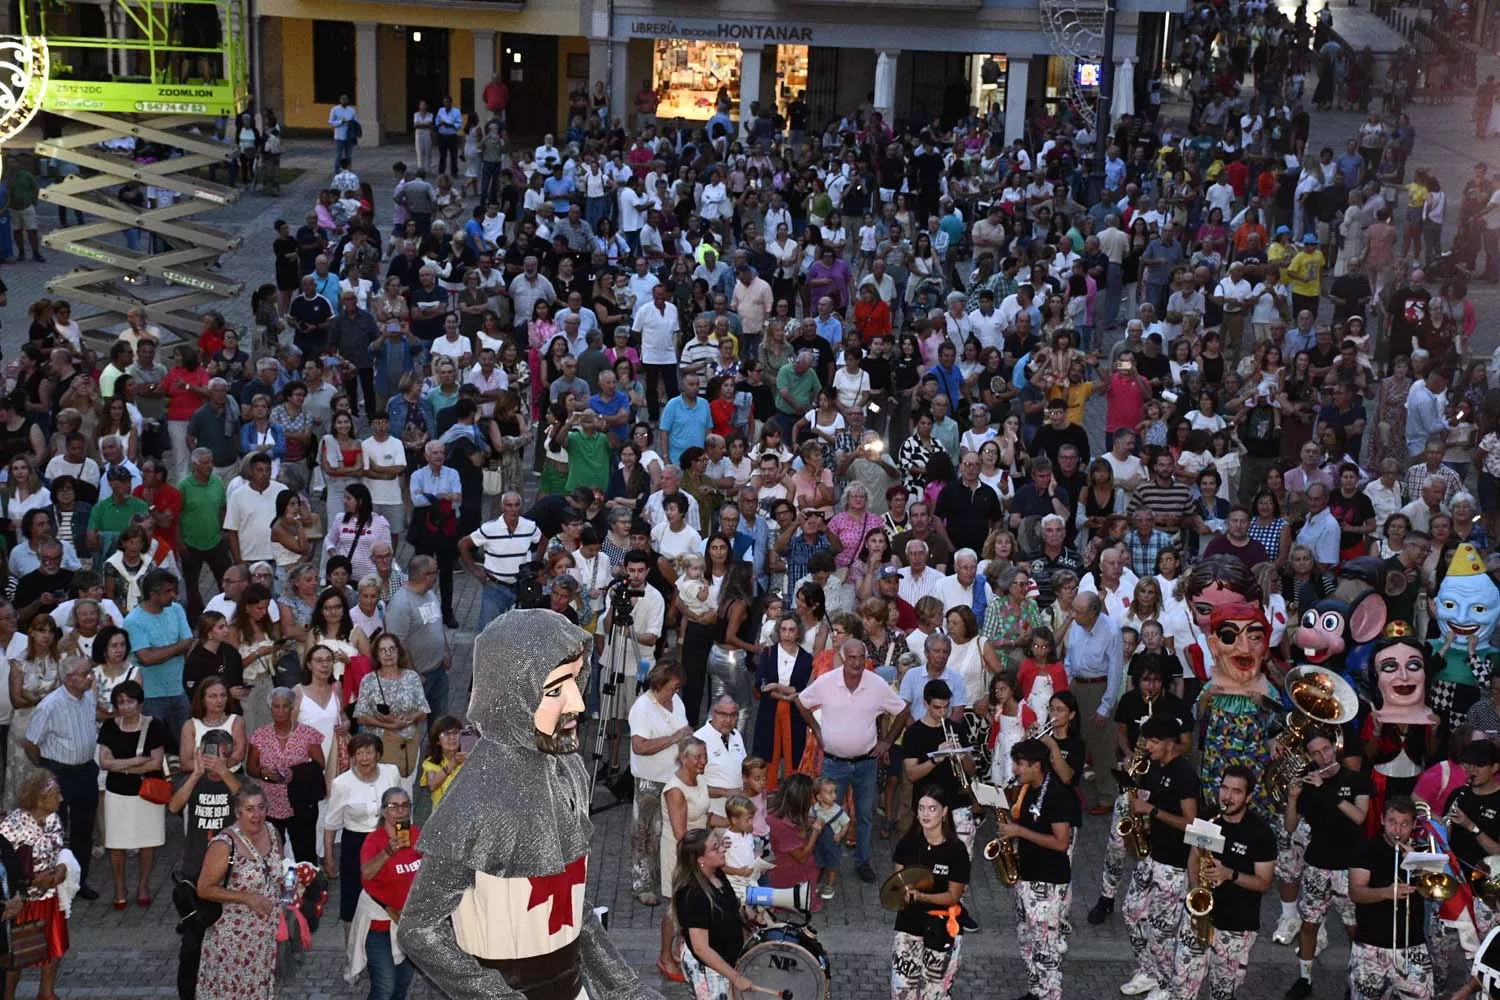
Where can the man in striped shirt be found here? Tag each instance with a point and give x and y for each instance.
(507, 542)
(1170, 500)
(61, 736)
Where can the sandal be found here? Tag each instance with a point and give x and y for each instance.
(143, 901)
(668, 974)
(120, 904)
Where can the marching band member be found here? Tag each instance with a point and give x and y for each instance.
(1168, 798)
(1389, 955)
(1241, 873)
(1335, 801)
(924, 958)
(1042, 817)
(1148, 698)
(934, 731)
(1474, 821)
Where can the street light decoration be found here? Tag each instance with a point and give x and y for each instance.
(1076, 28)
(23, 82)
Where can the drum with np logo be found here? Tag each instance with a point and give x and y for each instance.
(785, 959)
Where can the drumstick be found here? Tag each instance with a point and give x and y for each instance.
(783, 994)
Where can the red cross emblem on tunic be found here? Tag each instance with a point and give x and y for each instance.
(559, 889)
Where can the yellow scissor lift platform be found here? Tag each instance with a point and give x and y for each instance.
(166, 72)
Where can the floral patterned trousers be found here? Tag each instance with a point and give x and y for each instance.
(1224, 963)
(1153, 913)
(1039, 935)
(1378, 973)
(919, 972)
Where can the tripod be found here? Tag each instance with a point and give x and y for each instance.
(614, 686)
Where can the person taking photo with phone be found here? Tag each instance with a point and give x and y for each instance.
(388, 863)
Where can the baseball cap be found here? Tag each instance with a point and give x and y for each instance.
(1310, 238)
(889, 573)
(565, 583)
(1283, 230)
(117, 472)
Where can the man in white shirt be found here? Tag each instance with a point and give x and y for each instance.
(957, 589)
(918, 580)
(985, 323)
(1221, 196)
(1321, 531)
(637, 652)
(657, 324)
(248, 516)
(1113, 582)
(1127, 467)
(726, 749)
(633, 205)
(504, 545)
(545, 155)
(236, 579)
(1232, 294)
(777, 214)
(385, 461)
(753, 301)
(1385, 492)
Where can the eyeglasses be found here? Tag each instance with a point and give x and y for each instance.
(398, 807)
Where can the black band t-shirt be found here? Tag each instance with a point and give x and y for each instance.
(949, 862)
(1484, 812)
(1245, 843)
(1052, 802)
(1166, 787)
(1374, 922)
(1333, 834)
(921, 739)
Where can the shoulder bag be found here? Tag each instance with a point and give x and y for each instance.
(154, 789)
(193, 909)
(27, 942)
(395, 749)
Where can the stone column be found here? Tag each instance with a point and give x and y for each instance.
(1017, 83)
(885, 82)
(484, 68)
(750, 59)
(367, 80)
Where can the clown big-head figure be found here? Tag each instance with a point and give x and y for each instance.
(1467, 604)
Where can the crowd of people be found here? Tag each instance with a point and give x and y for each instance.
(807, 415)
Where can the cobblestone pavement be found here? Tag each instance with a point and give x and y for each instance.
(131, 955)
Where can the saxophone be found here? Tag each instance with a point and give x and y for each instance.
(1200, 901)
(1135, 829)
(1003, 852)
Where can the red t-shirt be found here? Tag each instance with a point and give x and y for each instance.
(167, 498)
(390, 886)
(182, 402)
(496, 95)
(722, 411)
(1125, 402)
(211, 342)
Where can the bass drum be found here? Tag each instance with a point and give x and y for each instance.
(788, 960)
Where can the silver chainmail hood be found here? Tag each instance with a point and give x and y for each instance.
(514, 810)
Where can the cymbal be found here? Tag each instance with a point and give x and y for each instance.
(893, 890)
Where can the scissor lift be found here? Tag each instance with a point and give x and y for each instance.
(161, 75)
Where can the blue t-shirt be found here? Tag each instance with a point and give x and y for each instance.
(149, 631)
(609, 408)
(687, 425)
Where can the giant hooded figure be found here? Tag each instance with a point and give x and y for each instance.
(497, 911)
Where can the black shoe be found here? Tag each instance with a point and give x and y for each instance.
(1301, 989)
(39, 258)
(88, 893)
(867, 874)
(1026, 996)
(1101, 910)
(451, 621)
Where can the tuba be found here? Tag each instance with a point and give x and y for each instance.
(1003, 852)
(1321, 698)
(1200, 901)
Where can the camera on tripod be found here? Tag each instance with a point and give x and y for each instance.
(529, 585)
(620, 606)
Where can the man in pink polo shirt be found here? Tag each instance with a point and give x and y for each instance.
(853, 699)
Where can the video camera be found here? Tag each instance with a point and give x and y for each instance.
(620, 598)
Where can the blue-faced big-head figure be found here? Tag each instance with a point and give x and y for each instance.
(1467, 600)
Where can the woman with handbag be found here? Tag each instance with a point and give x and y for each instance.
(354, 808)
(132, 751)
(393, 706)
(242, 873)
(39, 936)
(277, 750)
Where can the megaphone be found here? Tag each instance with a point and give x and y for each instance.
(797, 897)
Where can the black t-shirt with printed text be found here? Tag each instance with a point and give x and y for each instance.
(1053, 802)
(949, 862)
(1249, 841)
(1374, 922)
(1167, 787)
(207, 812)
(920, 740)
(1333, 834)
(1132, 710)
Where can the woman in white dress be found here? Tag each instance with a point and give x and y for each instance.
(421, 127)
(684, 806)
(658, 721)
(341, 457)
(32, 678)
(1008, 719)
(320, 705)
(471, 155)
(965, 657)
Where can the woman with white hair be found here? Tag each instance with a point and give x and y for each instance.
(1466, 524)
(979, 430)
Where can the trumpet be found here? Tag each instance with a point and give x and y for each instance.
(1003, 852)
(1200, 901)
(956, 760)
(1037, 731)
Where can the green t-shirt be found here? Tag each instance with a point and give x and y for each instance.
(23, 188)
(588, 460)
(804, 388)
(110, 516)
(202, 520)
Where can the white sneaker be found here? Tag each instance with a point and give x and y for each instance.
(1322, 940)
(1062, 946)
(1139, 984)
(1286, 930)
(1158, 994)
